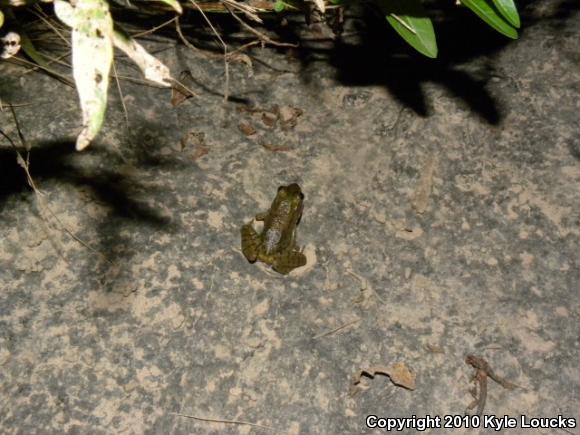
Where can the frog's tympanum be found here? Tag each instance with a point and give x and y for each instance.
(276, 245)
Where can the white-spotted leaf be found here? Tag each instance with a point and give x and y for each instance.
(92, 55)
(152, 68)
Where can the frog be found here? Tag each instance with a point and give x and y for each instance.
(276, 244)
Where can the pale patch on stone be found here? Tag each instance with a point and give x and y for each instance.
(410, 316)
(294, 428)
(4, 355)
(533, 342)
(147, 264)
(215, 219)
(350, 413)
(173, 272)
(104, 300)
(197, 283)
(527, 259)
(562, 311)
(531, 320)
(491, 261)
(311, 261)
(211, 386)
(554, 213)
(148, 377)
(322, 398)
(270, 334)
(409, 233)
(221, 351)
(142, 305)
(262, 308)
(234, 275)
(571, 171)
(171, 313)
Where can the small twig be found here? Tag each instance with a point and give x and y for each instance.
(63, 78)
(243, 47)
(16, 105)
(125, 112)
(193, 47)
(219, 420)
(248, 10)
(40, 14)
(154, 29)
(346, 325)
(25, 164)
(182, 37)
(141, 81)
(365, 286)
(225, 47)
(263, 38)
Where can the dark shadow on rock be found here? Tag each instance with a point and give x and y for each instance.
(97, 172)
(378, 56)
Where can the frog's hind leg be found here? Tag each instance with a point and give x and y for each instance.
(250, 242)
(287, 262)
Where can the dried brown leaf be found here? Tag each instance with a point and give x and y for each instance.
(399, 374)
(247, 129)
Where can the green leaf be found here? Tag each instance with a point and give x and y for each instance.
(509, 11)
(410, 20)
(92, 54)
(1, 19)
(279, 6)
(485, 10)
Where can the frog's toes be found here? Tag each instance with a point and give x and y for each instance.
(250, 242)
(261, 216)
(287, 262)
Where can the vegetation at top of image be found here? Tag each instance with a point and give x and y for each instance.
(93, 34)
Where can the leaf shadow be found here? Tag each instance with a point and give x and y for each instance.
(97, 173)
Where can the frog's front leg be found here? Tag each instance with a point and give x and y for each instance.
(285, 263)
(250, 242)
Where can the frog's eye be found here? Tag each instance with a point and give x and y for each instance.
(301, 195)
(280, 188)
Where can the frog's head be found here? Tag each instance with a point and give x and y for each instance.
(291, 194)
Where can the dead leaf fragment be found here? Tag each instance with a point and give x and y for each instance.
(247, 129)
(276, 148)
(289, 116)
(181, 89)
(402, 376)
(199, 151)
(269, 118)
(398, 373)
(433, 348)
(195, 140)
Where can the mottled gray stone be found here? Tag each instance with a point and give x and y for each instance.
(164, 315)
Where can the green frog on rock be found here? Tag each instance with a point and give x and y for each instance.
(276, 244)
